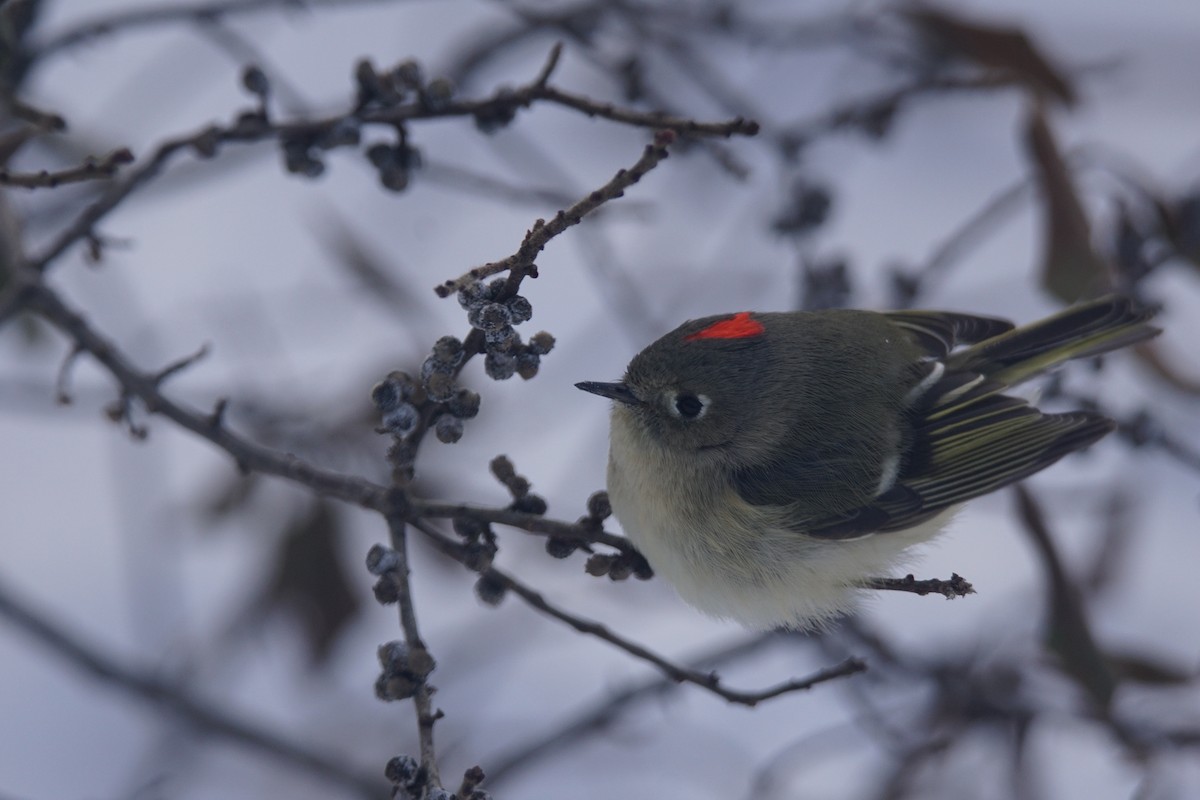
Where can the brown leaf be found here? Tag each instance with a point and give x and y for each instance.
(1071, 268)
(231, 495)
(995, 47)
(1147, 670)
(309, 582)
(1151, 355)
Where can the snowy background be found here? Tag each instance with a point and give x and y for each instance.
(123, 543)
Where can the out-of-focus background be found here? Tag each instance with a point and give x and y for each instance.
(999, 158)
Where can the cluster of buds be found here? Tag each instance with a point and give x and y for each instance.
(438, 374)
(599, 509)
(403, 83)
(499, 112)
(404, 670)
(518, 486)
(494, 315)
(401, 400)
(302, 150)
(408, 776)
(479, 543)
(395, 163)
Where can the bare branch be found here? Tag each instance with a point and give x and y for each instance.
(706, 680)
(90, 170)
(551, 64)
(422, 697)
(145, 386)
(256, 128)
(62, 384)
(178, 366)
(175, 699)
(521, 262)
(874, 114)
(956, 586)
(601, 714)
(533, 523)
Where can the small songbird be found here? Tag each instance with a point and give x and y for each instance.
(767, 465)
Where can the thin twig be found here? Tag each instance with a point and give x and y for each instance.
(364, 493)
(422, 698)
(171, 697)
(542, 232)
(90, 170)
(706, 680)
(251, 129)
(533, 523)
(252, 457)
(145, 387)
(176, 367)
(875, 114)
(956, 586)
(62, 383)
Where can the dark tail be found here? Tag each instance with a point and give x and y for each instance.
(1082, 331)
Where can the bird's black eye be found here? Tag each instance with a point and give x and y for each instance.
(688, 405)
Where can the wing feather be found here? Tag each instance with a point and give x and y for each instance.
(965, 436)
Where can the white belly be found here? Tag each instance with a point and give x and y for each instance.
(726, 557)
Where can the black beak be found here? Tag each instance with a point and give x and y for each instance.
(613, 391)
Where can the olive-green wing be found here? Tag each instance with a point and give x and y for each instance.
(939, 332)
(967, 452)
(966, 437)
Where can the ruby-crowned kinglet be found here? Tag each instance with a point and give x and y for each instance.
(768, 464)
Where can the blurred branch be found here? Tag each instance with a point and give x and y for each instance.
(604, 712)
(176, 700)
(479, 184)
(971, 233)
(1068, 633)
(90, 170)
(116, 22)
(44, 120)
(874, 115)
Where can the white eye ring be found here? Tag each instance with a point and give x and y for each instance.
(685, 405)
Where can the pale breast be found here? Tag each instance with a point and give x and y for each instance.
(731, 559)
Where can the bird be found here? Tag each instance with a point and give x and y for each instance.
(770, 465)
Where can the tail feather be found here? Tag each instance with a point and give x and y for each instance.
(1082, 331)
(967, 437)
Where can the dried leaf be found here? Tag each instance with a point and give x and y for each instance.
(309, 582)
(1151, 355)
(995, 47)
(1181, 222)
(1147, 670)
(1071, 268)
(232, 495)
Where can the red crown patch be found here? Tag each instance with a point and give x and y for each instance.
(739, 326)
